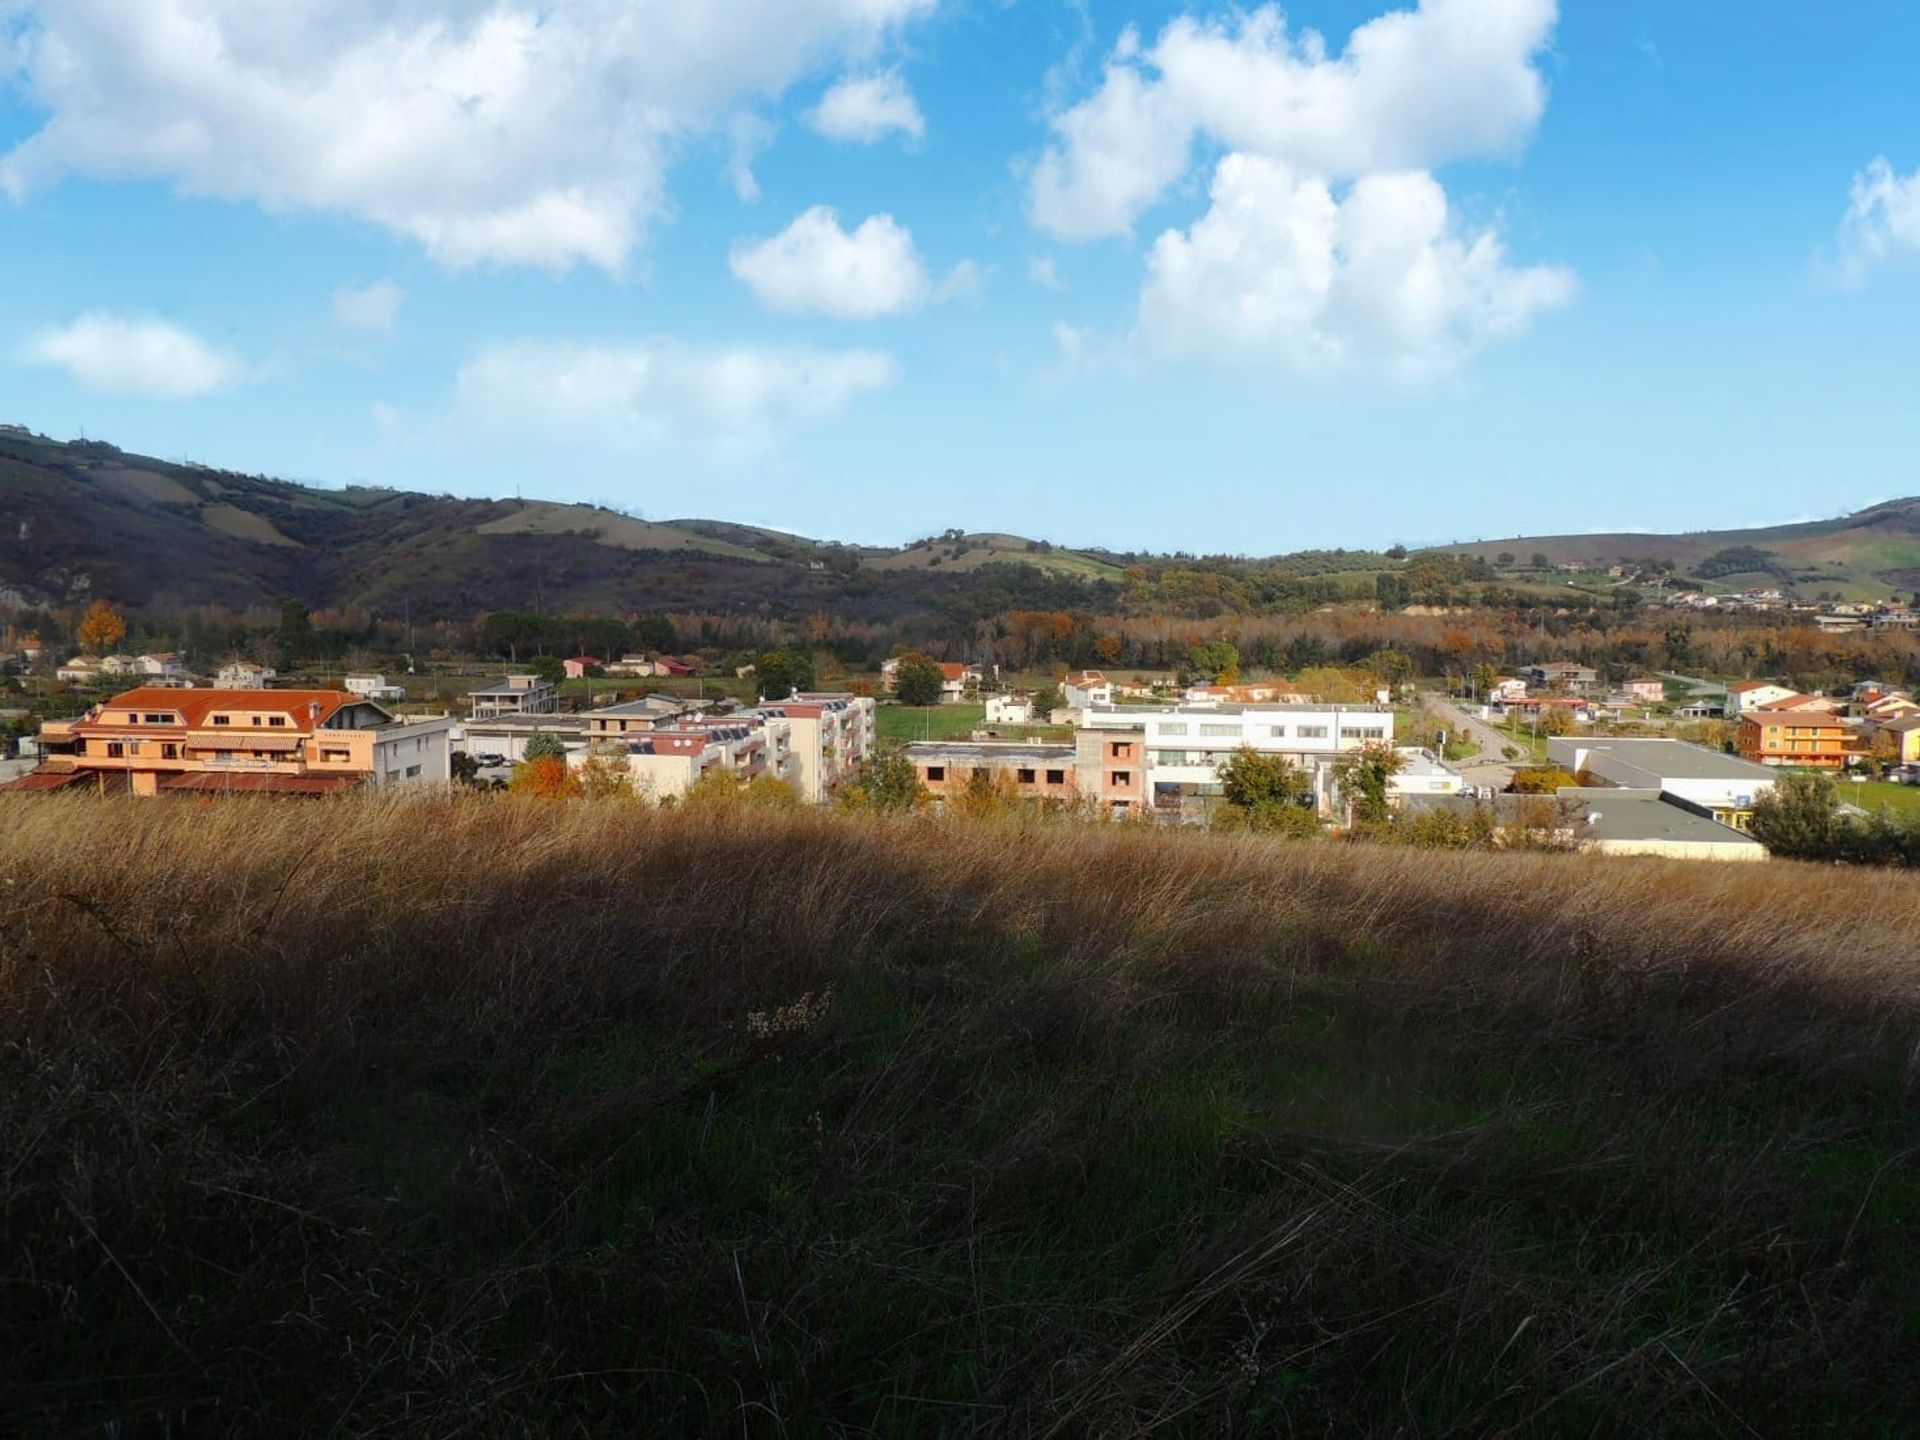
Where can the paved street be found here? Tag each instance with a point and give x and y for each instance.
(1486, 768)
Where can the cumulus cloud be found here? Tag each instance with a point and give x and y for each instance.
(371, 309)
(489, 131)
(813, 267)
(1282, 268)
(1413, 89)
(144, 358)
(665, 389)
(1882, 222)
(868, 108)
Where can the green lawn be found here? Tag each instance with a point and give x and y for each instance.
(1876, 794)
(929, 722)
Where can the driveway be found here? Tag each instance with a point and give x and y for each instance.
(1486, 768)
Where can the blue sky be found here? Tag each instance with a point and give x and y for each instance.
(1137, 275)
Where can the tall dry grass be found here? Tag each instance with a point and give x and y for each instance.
(436, 1116)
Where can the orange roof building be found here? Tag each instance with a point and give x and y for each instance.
(157, 740)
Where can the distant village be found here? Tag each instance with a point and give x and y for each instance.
(1121, 747)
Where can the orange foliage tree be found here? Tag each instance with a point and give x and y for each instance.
(101, 628)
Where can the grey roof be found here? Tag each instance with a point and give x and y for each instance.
(956, 753)
(1670, 759)
(1599, 813)
(507, 687)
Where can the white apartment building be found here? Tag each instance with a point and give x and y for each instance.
(1185, 745)
(515, 695)
(1086, 690)
(666, 762)
(1756, 695)
(374, 687)
(832, 734)
(1009, 710)
(243, 675)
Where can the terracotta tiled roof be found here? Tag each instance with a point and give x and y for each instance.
(42, 780)
(194, 706)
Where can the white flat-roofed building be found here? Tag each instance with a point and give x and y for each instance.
(374, 687)
(1185, 745)
(243, 675)
(832, 735)
(515, 695)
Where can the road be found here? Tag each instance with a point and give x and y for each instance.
(1486, 768)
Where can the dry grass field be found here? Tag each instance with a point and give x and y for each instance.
(487, 1116)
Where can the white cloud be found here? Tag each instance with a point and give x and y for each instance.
(1414, 88)
(813, 267)
(122, 355)
(1882, 222)
(490, 131)
(1044, 272)
(1282, 269)
(664, 389)
(371, 308)
(867, 108)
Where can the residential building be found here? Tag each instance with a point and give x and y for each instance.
(507, 736)
(1645, 689)
(956, 679)
(160, 741)
(1507, 687)
(1560, 675)
(1263, 692)
(832, 736)
(515, 695)
(1535, 707)
(1755, 695)
(1904, 731)
(117, 665)
(1820, 704)
(1423, 773)
(667, 761)
(1186, 744)
(1010, 710)
(374, 687)
(1085, 690)
(577, 667)
(629, 665)
(1110, 768)
(243, 675)
(613, 722)
(1722, 786)
(673, 668)
(1105, 768)
(1813, 738)
(163, 666)
(81, 670)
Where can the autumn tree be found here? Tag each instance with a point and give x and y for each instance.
(546, 777)
(1266, 792)
(888, 783)
(1365, 777)
(101, 628)
(918, 680)
(1217, 661)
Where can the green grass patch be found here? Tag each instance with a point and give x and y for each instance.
(929, 722)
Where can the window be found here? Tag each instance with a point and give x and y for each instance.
(393, 777)
(115, 749)
(1362, 732)
(413, 772)
(1121, 750)
(1121, 779)
(169, 752)
(1056, 777)
(1169, 757)
(1174, 729)
(936, 772)
(278, 720)
(1024, 775)
(223, 719)
(256, 720)
(335, 757)
(155, 719)
(1278, 732)
(1313, 732)
(1219, 729)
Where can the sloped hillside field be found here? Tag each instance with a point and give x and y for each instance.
(601, 1120)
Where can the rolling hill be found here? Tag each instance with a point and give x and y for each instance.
(84, 519)
(1871, 554)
